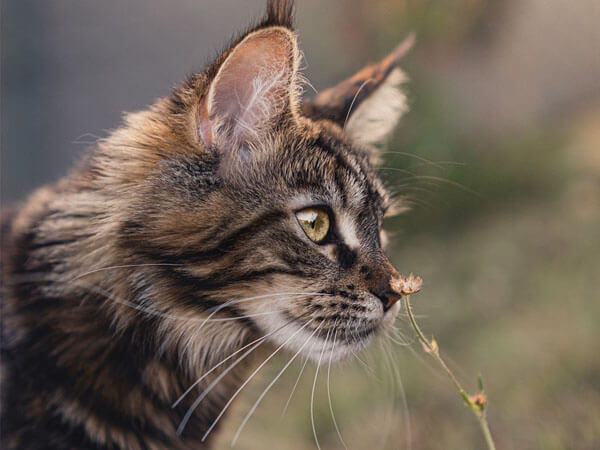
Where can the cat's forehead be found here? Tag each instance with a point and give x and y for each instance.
(326, 166)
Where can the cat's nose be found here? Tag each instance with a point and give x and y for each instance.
(388, 297)
(383, 281)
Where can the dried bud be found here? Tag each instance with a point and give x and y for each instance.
(479, 400)
(407, 285)
(432, 348)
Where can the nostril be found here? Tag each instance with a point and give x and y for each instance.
(387, 298)
(385, 301)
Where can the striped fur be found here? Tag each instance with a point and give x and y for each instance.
(168, 249)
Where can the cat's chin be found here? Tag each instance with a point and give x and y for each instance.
(322, 350)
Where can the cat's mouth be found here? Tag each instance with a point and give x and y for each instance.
(335, 336)
(335, 343)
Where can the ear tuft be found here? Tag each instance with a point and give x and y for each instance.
(373, 120)
(369, 104)
(279, 13)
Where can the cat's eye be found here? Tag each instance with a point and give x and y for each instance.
(315, 223)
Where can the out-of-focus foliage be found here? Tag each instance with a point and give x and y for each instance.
(500, 160)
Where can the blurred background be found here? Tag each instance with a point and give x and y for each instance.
(499, 159)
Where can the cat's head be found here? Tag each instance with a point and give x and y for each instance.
(271, 204)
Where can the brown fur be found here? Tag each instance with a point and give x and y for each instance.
(121, 283)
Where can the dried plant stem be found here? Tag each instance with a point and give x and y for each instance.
(477, 403)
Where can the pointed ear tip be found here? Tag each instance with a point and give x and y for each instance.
(285, 31)
(402, 48)
(284, 35)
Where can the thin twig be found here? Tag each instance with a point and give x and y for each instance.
(477, 403)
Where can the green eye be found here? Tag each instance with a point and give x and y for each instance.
(314, 222)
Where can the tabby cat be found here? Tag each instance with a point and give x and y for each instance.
(228, 216)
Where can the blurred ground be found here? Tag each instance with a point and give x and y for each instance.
(505, 219)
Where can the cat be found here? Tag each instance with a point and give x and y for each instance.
(228, 217)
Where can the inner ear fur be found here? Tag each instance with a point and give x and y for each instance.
(254, 86)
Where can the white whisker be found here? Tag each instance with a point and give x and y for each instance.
(279, 294)
(235, 394)
(124, 266)
(155, 313)
(204, 393)
(433, 178)
(263, 313)
(287, 404)
(312, 394)
(415, 156)
(257, 341)
(407, 427)
(426, 162)
(364, 364)
(337, 429)
(392, 384)
(403, 344)
(367, 81)
(259, 399)
(216, 309)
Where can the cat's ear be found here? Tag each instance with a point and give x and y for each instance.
(253, 89)
(369, 104)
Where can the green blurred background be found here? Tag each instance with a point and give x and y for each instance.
(499, 159)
